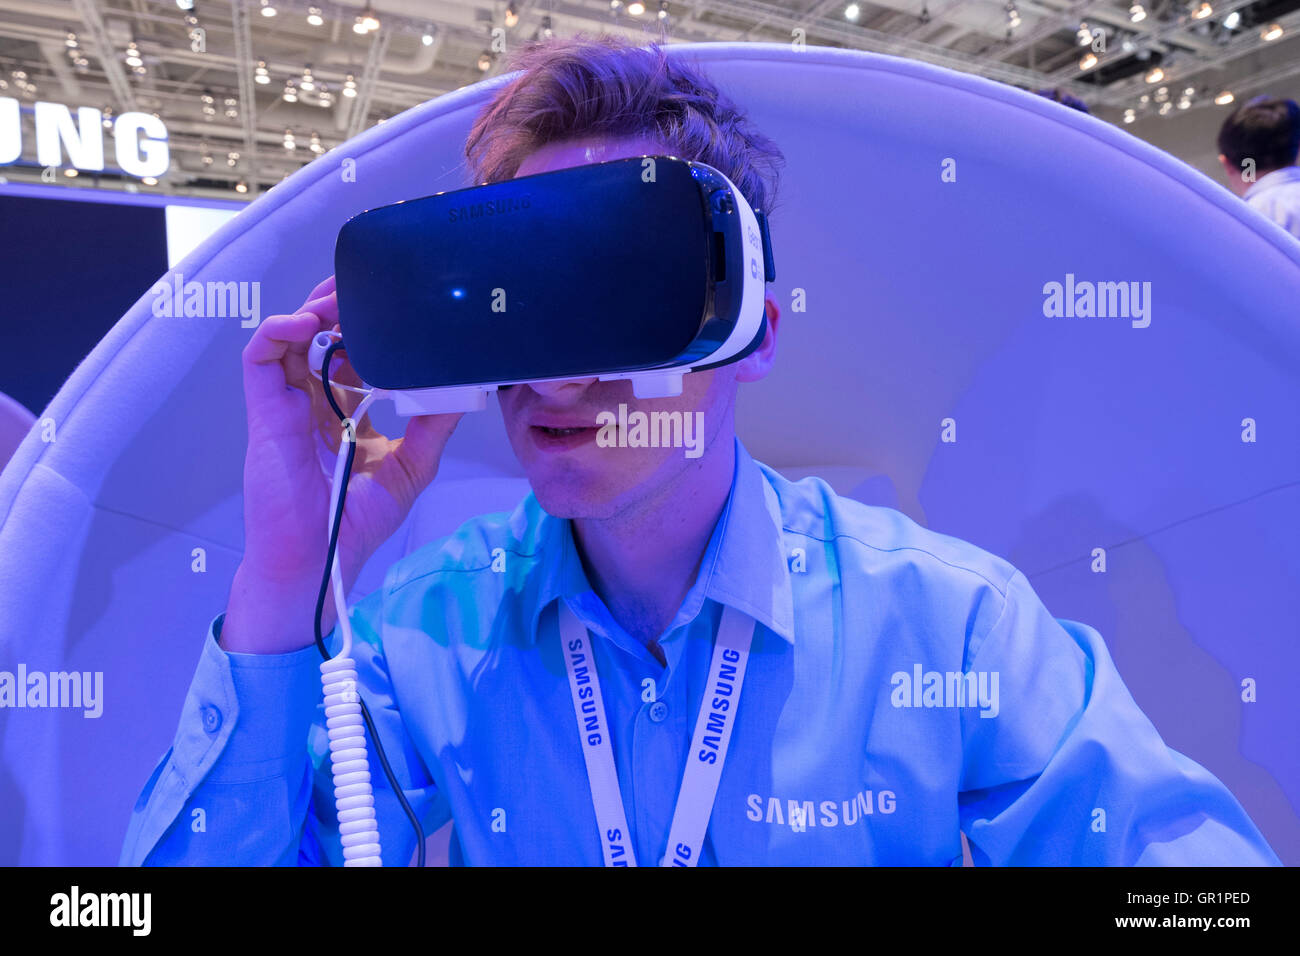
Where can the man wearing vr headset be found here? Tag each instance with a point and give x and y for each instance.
(881, 688)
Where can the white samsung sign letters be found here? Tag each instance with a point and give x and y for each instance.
(83, 138)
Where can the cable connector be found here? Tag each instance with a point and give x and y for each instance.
(320, 345)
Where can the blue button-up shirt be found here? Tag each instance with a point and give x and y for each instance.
(902, 687)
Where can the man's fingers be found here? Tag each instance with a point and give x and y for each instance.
(323, 289)
(264, 356)
(326, 306)
(278, 334)
(419, 451)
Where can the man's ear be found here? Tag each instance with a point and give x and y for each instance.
(773, 310)
(758, 363)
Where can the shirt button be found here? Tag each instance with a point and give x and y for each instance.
(211, 718)
(658, 711)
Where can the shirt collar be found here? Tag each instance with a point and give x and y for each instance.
(1273, 178)
(744, 566)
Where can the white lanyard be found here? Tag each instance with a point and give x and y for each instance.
(708, 747)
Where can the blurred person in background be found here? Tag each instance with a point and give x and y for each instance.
(1065, 99)
(1257, 147)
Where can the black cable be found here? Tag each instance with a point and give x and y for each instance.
(324, 588)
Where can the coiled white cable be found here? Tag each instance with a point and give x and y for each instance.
(353, 797)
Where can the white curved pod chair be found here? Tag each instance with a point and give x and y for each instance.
(906, 300)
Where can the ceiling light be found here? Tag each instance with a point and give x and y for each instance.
(1271, 32)
(267, 9)
(1202, 11)
(636, 8)
(314, 17)
(1156, 75)
(1231, 20)
(241, 187)
(852, 12)
(512, 15)
(1224, 98)
(1088, 62)
(1137, 13)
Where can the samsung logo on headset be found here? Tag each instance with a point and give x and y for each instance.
(493, 207)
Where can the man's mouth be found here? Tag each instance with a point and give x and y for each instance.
(561, 437)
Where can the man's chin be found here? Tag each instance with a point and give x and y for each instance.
(565, 503)
(571, 495)
(580, 487)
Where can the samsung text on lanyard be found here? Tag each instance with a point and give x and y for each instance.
(708, 747)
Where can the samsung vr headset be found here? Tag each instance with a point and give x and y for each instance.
(643, 268)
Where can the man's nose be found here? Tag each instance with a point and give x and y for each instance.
(566, 390)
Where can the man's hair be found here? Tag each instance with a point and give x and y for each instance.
(608, 86)
(1265, 129)
(1065, 99)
